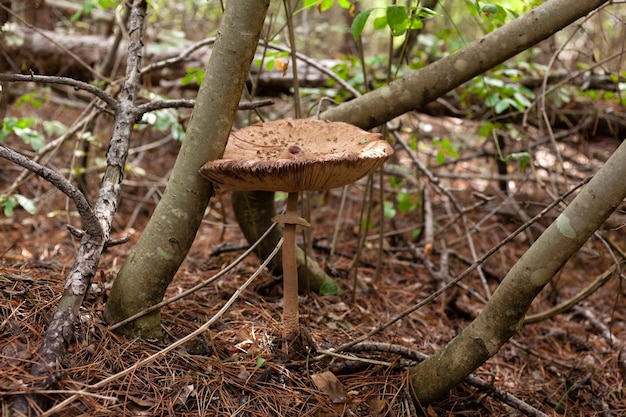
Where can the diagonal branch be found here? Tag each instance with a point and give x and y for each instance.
(90, 221)
(61, 329)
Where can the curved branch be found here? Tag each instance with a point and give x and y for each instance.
(50, 79)
(89, 219)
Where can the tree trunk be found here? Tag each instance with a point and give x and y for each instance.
(163, 245)
(371, 110)
(60, 331)
(504, 314)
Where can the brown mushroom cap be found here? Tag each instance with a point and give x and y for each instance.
(296, 155)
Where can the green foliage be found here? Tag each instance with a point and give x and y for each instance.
(90, 5)
(329, 287)
(323, 5)
(272, 59)
(23, 130)
(9, 202)
(165, 120)
(407, 202)
(501, 91)
(490, 129)
(445, 148)
(34, 98)
(194, 74)
(495, 15)
(260, 362)
(397, 18)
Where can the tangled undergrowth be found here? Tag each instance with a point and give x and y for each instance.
(570, 363)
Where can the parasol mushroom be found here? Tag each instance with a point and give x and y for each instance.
(294, 156)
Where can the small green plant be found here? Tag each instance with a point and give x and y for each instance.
(9, 202)
(405, 202)
(445, 148)
(165, 120)
(90, 5)
(23, 129)
(273, 59)
(194, 74)
(398, 18)
(489, 129)
(329, 287)
(500, 91)
(323, 5)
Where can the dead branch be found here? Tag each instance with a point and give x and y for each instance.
(61, 329)
(90, 222)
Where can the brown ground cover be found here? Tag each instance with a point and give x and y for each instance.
(569, 364)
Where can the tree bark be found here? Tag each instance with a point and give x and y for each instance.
(163, 245)
(61, 329)
(420, 87)
(504, 314)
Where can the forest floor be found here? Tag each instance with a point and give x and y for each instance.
(568, 364)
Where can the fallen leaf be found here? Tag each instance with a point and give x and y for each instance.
(328, 383)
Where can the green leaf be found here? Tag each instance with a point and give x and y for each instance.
(492, 100)
(406, 202)
(485, 129)
(389, 210)
(503, 105)
(325, 5)
(397, 19)
(30, 137)
(310, 3)
(441, 158)
(359, 23)
(26, 203)
(194, 74)
(259, 362)
(329, 287)
(380, 23)
(523, 158)
(54, 127)
(522, 100)
(345, 4)
(8, 203)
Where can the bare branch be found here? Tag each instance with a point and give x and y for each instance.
(50, 79)
(90, 221)
(165, 104)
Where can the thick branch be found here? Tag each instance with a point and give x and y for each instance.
(165, 241)
(61, 330)
(420, 87)
(504, 314)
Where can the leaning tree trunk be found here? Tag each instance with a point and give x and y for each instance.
(163, 245)
(421, 87)
(373, 109)
(504, 314)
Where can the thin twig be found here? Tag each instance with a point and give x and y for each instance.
(198, 286)
(89, 219)
(569, 304)
(174, 345)
(52, 79)
(464, 274)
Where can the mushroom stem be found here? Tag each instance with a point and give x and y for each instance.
(291, 324)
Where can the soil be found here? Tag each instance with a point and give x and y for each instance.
(570, 364)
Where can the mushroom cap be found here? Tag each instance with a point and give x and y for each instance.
(296, 155)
